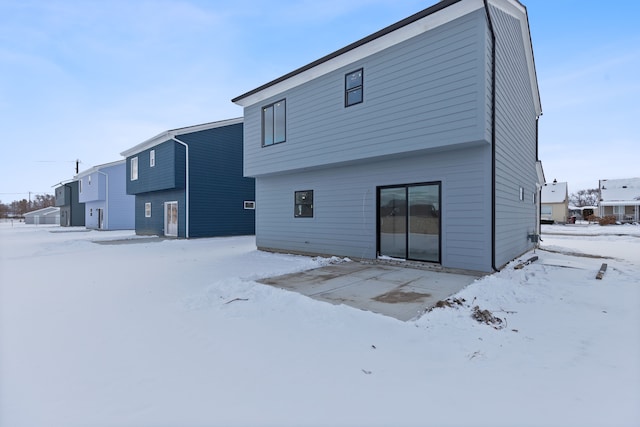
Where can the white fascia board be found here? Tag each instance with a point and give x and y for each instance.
(99, 167)
(393, 38)
(518, 11)
(167, 135)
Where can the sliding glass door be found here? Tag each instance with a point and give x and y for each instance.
(409, 222)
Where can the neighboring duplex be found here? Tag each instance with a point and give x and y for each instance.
(418, 142)
(103, 191)
(71, 209)
(188, 182)
(620, 198)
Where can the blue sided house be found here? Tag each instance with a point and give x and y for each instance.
(71, 209)
(418, 142)
(188, 182)
(103, 191)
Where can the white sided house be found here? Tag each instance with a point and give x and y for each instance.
(555, 203)
(620, 198)
(418, 142)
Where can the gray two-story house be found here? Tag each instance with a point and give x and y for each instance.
(418, 142)
(188, 182)
(68, 200)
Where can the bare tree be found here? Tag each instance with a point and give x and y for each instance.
(585, 197)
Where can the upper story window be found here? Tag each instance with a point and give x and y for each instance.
(353, 88)
(274, 123)
(89, 179)
(134, 168)
(152, 158)
(80, 185)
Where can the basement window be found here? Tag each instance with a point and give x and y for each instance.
(303, 207)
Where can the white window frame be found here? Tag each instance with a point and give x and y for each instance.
(134, 168)
(147, 210)
(152, 158)
(249, 204)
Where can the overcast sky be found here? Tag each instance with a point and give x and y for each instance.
(88, 79)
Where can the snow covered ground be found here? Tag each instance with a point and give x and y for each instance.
(178, 333)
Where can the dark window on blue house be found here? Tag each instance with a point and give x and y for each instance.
(274, 123)
(353, 89)
(303, 204)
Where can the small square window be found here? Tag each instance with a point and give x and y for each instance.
(353, 88)
(147, 210)
(152, 158)
(303, 204)
(134, 168)
(249, 204)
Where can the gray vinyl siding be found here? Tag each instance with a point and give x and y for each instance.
(71, 210)
(515, 148)
(424, 93)
(345, 214)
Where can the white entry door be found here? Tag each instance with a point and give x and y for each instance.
(171, 219)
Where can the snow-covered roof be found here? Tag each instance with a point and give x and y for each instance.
(617, 191)
(44, 211)
(555, 192)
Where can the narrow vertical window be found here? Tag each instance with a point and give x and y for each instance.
(89, 178)
(274, 123)
(147, 210)
(134, 168)
(303, 207)
(80, 185)
(152, 158)
(521, 194)
(353, 88)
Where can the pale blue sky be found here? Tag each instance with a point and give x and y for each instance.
(84, 79)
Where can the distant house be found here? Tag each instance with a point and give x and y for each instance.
(103, 191)
(554, 203)
(417, 142)
(49, 215)
(71, 209)
(620, 198)
(188, 182)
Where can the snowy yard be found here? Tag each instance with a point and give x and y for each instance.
(178, 333)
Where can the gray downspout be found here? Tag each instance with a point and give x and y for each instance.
(186, 196)
(493, 136)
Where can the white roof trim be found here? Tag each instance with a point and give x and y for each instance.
(518, 11)
(98, 167)
(167, 135)
(407, 32)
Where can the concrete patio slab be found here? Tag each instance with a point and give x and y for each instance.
(401, 292)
